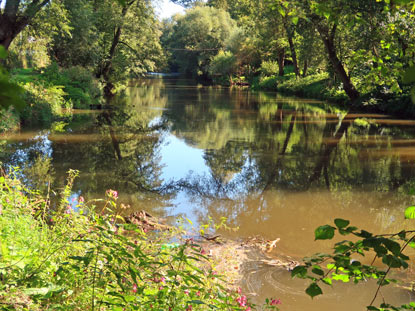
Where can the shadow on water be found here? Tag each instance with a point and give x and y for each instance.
(274, 166)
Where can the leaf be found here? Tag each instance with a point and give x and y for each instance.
(392, 246)
(410, 212)
(197, 302)
(392, 261)
(313, 290)
(341, 223)
(317, 270)
(299, 271)
(3, 52)
(295, 20)
(325, 232)
(409, 75)
(327, 281)
(341, 277)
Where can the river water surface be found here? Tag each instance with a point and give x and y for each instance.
(275, 167)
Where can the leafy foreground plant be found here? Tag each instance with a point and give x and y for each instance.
(343, 266)
(68, 257)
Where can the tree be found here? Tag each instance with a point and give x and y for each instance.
(198, 36)
(15, 16)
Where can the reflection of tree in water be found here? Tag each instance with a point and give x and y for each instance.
(291, 146)
(120, 150)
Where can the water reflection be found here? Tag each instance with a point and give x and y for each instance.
(274, 166)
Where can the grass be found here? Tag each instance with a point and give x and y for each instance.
(68, 256)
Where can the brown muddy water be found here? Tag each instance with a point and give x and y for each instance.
(275, 167)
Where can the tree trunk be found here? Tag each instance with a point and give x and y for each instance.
(13, 21)
(328, 40)
(281, 59)
(105, 69)
(290, 36)
(305, 68)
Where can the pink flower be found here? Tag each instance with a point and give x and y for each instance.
(186, 291)
(189, 308)
(160, 287)
(198, 293)
(203, 252)
(248, 309)
(112, 194)
(241, 300)
(163, 279)
(275, 302)
(134, 288)
(239, 290)
(81, 199)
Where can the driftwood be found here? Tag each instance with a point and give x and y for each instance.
(146, 221)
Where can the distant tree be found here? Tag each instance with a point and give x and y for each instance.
(198, 36)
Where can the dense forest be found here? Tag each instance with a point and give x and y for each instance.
(69, 53)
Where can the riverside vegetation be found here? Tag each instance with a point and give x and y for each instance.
(72, 255)
(66, 54)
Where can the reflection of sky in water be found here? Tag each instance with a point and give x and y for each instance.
(179, 159)
(38, 145)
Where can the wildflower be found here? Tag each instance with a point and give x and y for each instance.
(163, 279)
(275, 302)
(68, 209)
(203, 252)
(248, 309)
(239, 290)
(241, 300)
(186, 291)
(161, 287)
(112, 194)
(134, 288)
(81, 199)
(189, 308)
(198, 293)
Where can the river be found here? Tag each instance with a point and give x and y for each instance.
(275, 167)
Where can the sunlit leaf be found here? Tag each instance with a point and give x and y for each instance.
(410, 212)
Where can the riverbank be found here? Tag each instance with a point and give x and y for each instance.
(318, 86)
(66, 255)
(50, 94)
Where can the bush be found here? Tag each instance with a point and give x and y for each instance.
(78, 83)
(70, 257)
(44, 103)
(269, 68)
(223, 66)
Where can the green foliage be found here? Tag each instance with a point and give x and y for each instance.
(223, 65)
(343, 266)
(80, 256)
(10, 93)
(197, 37)
(269, 68)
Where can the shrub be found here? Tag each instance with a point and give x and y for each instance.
(269, 68)
(223, 65)
(69, 256)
